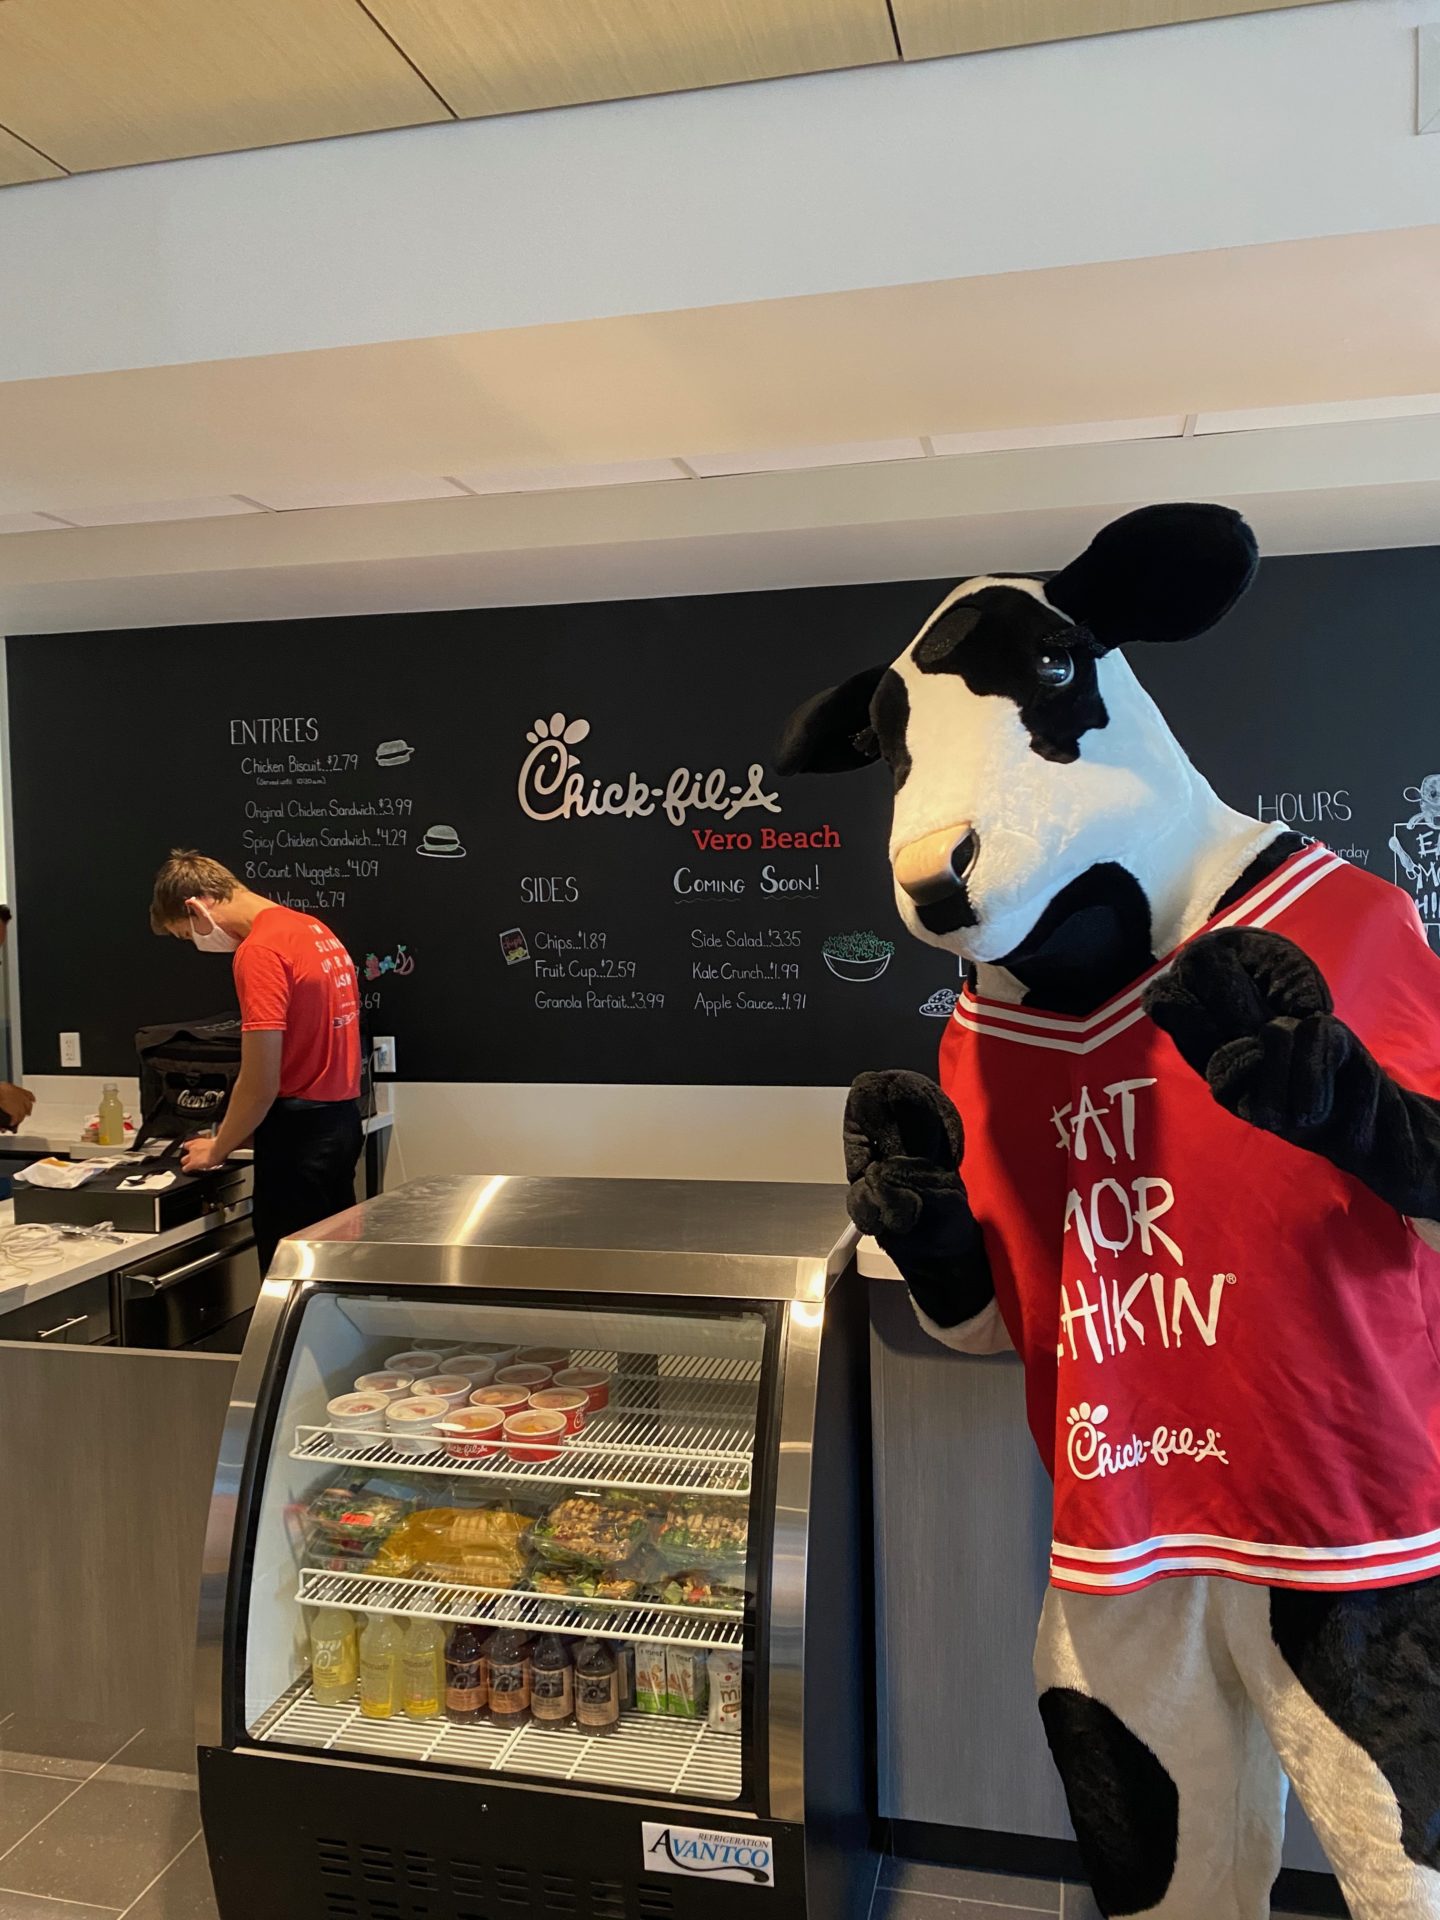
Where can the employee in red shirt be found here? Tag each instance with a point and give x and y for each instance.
(299, 1084)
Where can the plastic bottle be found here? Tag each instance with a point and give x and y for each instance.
(381, 1645)
(507, 1657)
(597, 1689)
(466, 1690)
(334, 1657)
(552, 1683)
(111, 1130)
(422, 1669)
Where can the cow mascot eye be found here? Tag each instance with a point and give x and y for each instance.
(1055, 669)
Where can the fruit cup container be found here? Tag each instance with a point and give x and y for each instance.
(469, 1433)
(417, 1362)
(507, 1399)
(361, 1411)
(571, 1404)
(534, 1435)
(590, 1381)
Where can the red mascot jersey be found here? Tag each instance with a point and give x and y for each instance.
(1232, 1350)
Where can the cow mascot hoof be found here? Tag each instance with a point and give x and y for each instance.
(1184, 1156)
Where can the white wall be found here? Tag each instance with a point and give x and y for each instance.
(683, 1133)
(1225, 133)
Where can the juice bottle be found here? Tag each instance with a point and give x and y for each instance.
(380, 1647)
(334, 1656)
(597, 1689)
(111, 1130)
(552, 1683)
(507, 1658)
(466, 1691)
(422, 1669)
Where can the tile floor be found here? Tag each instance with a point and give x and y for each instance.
(96, 1825)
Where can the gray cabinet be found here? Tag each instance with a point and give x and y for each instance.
(962, 1530)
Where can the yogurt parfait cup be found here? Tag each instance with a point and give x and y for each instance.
(531, 1376)
(572, 1405)
(390, 1386)
(478, 1368)
(534, 1434)
(360, 1411)
(416, 1361)
(591, 1381)
(453, 1388)
(469, 1433)
(410, 1424)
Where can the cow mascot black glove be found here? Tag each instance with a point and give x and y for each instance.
(1185, 1156)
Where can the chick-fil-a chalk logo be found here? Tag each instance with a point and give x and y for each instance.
(553, 786)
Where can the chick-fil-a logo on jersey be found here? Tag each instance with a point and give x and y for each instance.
(553, 785)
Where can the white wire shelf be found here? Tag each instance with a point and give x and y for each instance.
(660, 1462)
(683, 1759)
(501, 1607)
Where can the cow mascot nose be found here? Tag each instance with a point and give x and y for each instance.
(933, 868)
(1184, 1156)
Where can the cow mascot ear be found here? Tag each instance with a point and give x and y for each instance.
(1161, 573)
(831, 732)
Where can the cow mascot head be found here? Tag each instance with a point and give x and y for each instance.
(1184, 1156)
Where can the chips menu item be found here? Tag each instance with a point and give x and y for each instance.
(477, 1548)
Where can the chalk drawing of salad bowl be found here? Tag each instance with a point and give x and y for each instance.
(857, 956)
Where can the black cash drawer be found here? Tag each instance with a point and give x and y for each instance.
(191, 1295)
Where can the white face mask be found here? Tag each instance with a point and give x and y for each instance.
(215, 939)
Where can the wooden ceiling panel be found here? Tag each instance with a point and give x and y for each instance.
(509, 56)
(930, 29)
(19, 163)
(111, 83)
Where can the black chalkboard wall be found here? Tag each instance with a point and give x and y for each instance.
(398, 776)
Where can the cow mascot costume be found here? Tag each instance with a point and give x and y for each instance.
(1187, 1162)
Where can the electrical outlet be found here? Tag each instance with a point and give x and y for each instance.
(69, 1049)
(382, 1054)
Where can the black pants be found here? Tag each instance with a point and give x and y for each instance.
(305, 1159)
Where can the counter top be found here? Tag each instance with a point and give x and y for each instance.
(82, 1260)
(46, 1132)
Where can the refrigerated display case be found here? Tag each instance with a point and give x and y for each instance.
(685, 1565)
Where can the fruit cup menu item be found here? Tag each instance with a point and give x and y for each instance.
(651, 1695)
(507, 1661)
(466, 1689)
(471, 1432)
(572, 1405)
(364, 1411)
(453, 1388)
(391, 1385)
(552, 1683)
(597, 1688)
(590, 1381)
(507, 1399)
(534, 1435)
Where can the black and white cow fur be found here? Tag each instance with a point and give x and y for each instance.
(1049, 829)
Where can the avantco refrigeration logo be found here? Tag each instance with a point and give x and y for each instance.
(748, 1858)
(552, 785)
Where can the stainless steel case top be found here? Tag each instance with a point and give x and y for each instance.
(737, 1239)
